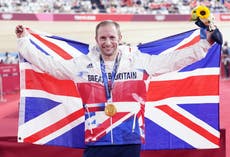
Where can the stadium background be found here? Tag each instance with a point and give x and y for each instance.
(133, 32)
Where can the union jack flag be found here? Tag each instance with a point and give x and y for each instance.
(181, 109)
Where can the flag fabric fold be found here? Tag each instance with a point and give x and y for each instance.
(181, 109)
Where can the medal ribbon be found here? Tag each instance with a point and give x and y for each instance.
(107, 85)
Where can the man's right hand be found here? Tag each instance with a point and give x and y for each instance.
(20, 31)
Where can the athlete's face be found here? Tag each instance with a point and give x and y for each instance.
(108, 40)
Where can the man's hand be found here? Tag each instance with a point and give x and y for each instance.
(214, 36)
(20, 31)
(217, 36)
(209, 37)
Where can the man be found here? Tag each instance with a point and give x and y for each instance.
(112, 83)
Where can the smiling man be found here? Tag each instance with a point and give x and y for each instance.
(112, 85)
(108, 37)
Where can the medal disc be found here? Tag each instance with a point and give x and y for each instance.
(110, 110)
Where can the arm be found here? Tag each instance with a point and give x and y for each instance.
(61, 69)
(157, 65)
(160, 64)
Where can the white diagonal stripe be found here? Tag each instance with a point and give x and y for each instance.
(184, 41)
(48, 118)
(61, 131)
(195, 120)
(179, 130)
(45, 48)
(114, 125)
(66, 47)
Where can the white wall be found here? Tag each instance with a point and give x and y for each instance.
(133, 32)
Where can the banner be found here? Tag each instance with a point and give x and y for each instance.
(181, 108)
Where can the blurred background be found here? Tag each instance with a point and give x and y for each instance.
(141, 21)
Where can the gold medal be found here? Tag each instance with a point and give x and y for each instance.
(110, 110)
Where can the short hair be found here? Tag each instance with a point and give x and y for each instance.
(108, 22)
